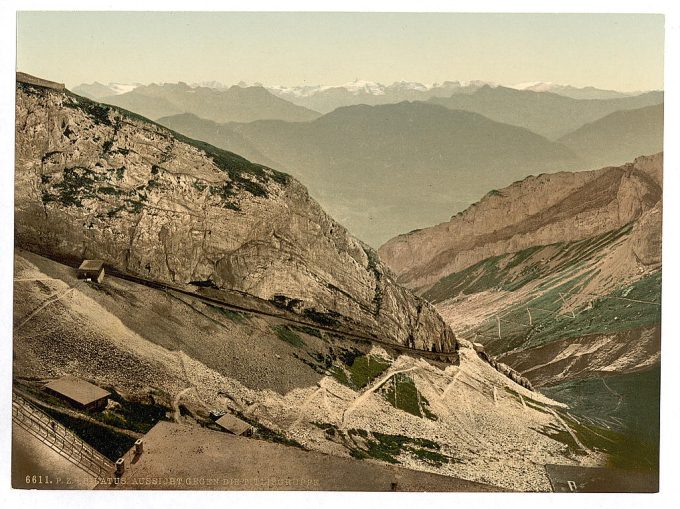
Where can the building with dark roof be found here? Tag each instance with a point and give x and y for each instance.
(234, 425)
(92, 270)
(79, 393)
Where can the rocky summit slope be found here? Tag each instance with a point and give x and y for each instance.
(93, 181)
(300, 386)
(559, 288)
(572, 206)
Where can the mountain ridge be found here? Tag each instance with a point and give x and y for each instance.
(577, 206)
(326, 98)
(234, 104)
(565, 289)
(545, 113)
(619, 137)
(393, 149)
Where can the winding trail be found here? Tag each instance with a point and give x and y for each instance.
(524, 404)
(372, 388)
(612, 391)
(305, 404)
(325, 401)
(50, 300)
(450, 385)
(568, 429)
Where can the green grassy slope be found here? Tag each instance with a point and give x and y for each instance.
(623, 409)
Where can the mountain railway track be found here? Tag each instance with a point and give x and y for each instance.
(446, 357)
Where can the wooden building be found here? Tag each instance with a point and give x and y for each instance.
(92, 270)
(234, 425)
(79, 393)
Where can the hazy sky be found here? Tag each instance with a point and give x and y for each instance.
(615, 51)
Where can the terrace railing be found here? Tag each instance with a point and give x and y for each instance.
(58, 438)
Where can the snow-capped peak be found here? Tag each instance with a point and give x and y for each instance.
(537, 86)
(122, 88)
(357, 86)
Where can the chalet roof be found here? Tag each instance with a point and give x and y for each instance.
(233, 424)
(91, 265)
(77, 390)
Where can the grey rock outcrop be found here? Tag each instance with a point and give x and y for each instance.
(502, 368)
(93, 181)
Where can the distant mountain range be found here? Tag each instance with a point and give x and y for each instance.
(385, 169)
(573, 92)
(97, 91)
(389, 168)
(545, 113)
(326, 98)
(233, 104)
(619, 137)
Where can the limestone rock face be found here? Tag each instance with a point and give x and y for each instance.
(96, 182)
(572, 206)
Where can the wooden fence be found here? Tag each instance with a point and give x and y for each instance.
(60, 439)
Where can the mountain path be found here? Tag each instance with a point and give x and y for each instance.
(568, 430)
(301, 412)
(50, 300)
(371, 389)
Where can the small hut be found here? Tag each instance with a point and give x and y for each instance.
(234, 425)
(79, 393)
(92, 270)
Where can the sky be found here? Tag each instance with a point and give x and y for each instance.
(611, 51)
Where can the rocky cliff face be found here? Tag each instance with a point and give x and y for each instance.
(558, 276)
(96, 182)
(572, 206)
